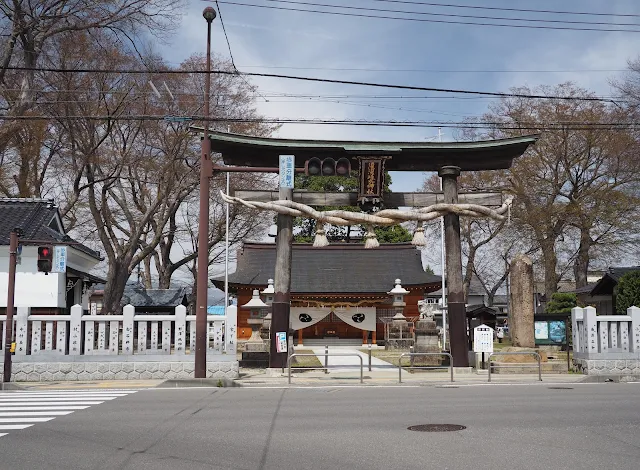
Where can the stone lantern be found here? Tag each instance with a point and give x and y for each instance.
(398, 336)
(398, 293)
(257, 306)
(268, 295)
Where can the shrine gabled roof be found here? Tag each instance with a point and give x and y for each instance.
(244, 150)
(346, 268)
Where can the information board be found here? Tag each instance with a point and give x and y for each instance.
(281, 341)
(483, 339)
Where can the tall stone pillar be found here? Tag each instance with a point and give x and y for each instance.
(457, 313)
(521, 308)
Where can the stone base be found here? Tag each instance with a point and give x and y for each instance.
(255, 347)
(255, 359)
(112, 370)
(398, 344)
(623, 367)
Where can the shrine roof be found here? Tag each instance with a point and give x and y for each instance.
(345, 268)
(244, 150)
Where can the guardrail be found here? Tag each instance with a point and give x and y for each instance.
(450, 366)
(326, 367)
(520, 353)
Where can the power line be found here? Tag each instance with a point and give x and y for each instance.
(353, 69)
(450, 15)
(472, 23)
(448, 5)
(324, 80)
(569, 125)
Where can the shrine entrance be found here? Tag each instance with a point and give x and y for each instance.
(321, 157)
(315, 325)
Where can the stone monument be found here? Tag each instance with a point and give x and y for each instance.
(522, 309)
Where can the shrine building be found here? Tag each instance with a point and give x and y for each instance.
(339, 293)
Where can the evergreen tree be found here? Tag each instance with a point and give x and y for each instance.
(627, 292)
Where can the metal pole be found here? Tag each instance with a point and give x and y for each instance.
(226, 256)
(326, 359)
(8, 338)
(200, 366)
(442, 269)
(369, 357)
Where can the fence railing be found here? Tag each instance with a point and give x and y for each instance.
(109, 335)
(450, 366)
(605, 334)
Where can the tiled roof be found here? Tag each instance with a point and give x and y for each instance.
(34, 216)
(338, 268)
(154, 297)
(608, 282)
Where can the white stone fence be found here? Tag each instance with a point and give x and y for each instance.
(50, 337)
(606, 344)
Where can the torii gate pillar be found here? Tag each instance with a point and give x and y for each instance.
(280, 309)
(455, 295)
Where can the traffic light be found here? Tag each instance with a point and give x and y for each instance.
(45, 259)
(327, 167)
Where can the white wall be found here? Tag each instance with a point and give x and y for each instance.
(35, 289)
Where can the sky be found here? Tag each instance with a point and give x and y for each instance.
(406, 52)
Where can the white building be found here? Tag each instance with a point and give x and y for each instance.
(41, 225)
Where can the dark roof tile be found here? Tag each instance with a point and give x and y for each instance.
(340, 268)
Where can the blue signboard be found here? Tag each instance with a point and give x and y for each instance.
(286, 171)
(59, 259)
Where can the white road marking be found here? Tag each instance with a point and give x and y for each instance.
(41, 408)
(23, 409)
(34, 413)
(26, 420)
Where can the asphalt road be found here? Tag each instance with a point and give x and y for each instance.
(578, 426)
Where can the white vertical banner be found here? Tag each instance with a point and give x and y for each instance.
(231, 323)
(287, 170)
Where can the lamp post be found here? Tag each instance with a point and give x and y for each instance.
(13, 253)
(200, 367)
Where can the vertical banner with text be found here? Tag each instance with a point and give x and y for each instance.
(287, 167)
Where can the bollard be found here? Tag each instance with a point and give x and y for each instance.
(369, 357)
(326, 359)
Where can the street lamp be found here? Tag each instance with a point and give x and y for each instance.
(200, 366)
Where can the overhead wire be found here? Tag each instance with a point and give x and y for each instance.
(449, 15)
(525, 10)
(429, 20)
(325, 80)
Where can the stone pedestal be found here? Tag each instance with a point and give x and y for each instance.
(426, 334)
(255, 354)
(521, 308)
(398, 337)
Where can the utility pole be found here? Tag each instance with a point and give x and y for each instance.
(8, 339)
(442, 268)
(206, 167)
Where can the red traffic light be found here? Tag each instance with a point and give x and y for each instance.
(45, 259)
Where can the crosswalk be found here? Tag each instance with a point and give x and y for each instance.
(23, 409)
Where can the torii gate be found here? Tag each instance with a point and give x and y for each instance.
(261, 154)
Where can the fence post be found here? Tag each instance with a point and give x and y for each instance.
(591, 329)
(128, 311)
(634, 313)
(75, 331)
(230, 325)
(22, 319)
(576, 314)
(181, 326)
